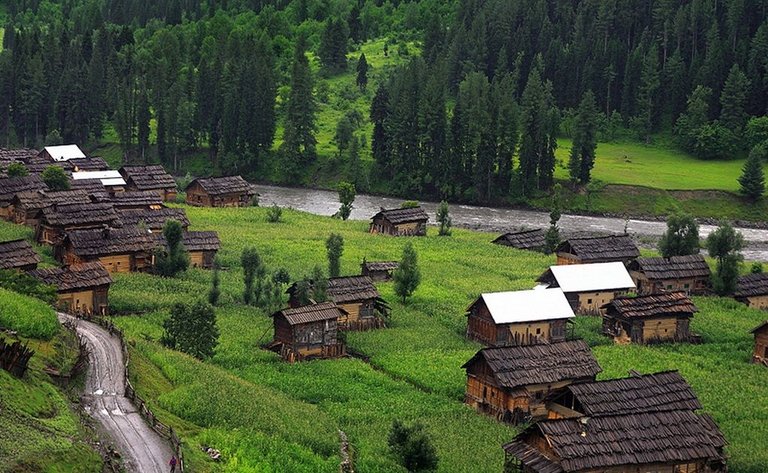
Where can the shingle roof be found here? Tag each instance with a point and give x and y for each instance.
(36, 200)
(531, 457)
(526, 306)
(398, 216)
(148, 177)
(92, 186)
(381, 265)
(351, 288)
(18, 154)
(311, 313)
(79, 214)
(223, 185)
(17, 254)
(10, 186)
(94, 163)
(194, 241)
(653, 305)
(74, 277)
(154, 219)
(752, 285)
(135, 199)
(675, 267)
(759, 327)
(538, 364)
(605, 248)
(523, 240)
(38, 164)
(588, 277)
(113, 241)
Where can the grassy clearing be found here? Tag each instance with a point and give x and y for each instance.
(29, 317)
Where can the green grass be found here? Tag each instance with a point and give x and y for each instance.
(29, 317)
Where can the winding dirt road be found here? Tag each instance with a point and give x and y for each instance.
(142, 449)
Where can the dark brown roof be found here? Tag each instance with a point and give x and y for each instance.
(38, 164)
(148, 177)
(675, 267)
(93, 163)
(112, 241)
(381, 265)
(17, 254)
(523, 240)
(351, 288)
(19, 154)
(154, 219)
(605, 248)
(538, 364)
(531, 457)
(759, 327)
(74, 277)
(92, 186)
(223, 185)
(135, 199)
(36, 200)
(194, 241)
(10, 186)
(311, 313)
(78, 214)
(654, 305)
(752, 285)
(398, 216)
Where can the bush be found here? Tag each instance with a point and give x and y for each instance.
(274, 214)
(55, 178)
(17, 170)
(409, 204)
(412, 447)
(175, 258)
(444, 219)
(192, 329)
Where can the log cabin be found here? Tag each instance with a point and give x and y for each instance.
(201, 246)
(519, 317)
(400, 222)
(512, 383)
(151, 179)
(137, 200)
(760, 354)
(361, 301)
(18, 254)
(378, 271)
(112, 181)
(120, 250)
(308, 332)
(690, 274)
(229, 191)
(81, 288)
(752, 290)
(27, 205)
(588, 287)
(57, 220)
(10, 186)
(649, 319)
(604, 249)
(531, 240)
(61, 153)
(153, 219)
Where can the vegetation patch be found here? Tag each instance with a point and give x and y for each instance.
(28, 316)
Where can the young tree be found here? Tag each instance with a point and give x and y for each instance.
(725, 244)
(407, 275)
(274, 214)
(681, 237)
(412, 447)
(582, 158)
(552, 237)
(362, 72)
(215, 292)
(174, 258)
(17, 170)
(752, 179)
(319, 285)
(346, 198)
(444, 219)
(253, 269)
(192, 329)
(334, 246)
(55, 178)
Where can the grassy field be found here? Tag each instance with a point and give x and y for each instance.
(30, 317)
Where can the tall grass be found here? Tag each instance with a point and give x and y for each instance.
(28, 316)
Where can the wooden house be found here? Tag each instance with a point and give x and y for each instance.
(81, 288)
(752, 290)
(360, 300)
(519, 317)
(153, 219)
(61, 153)
(604, 249)
(111, 180)
(690, 274)
(588, 287)
(532, 240)
(93, 163)
(137, 200)
(150, 179)
(512, 383)
(400, 222)
(309, 331)
(18, 254)
(760, 355)
(57, 220)
(27, 205)
(379, 270)
(201, 246)
(649, 318)
(10, 186)
(229, 191)
(120, 250)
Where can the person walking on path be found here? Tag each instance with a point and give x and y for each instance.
(173, 463)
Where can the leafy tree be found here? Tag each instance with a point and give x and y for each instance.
(552, 237)
(412, 447)
(582, 158)
(407, 276)
(752, 179)
(274, 214)
(253, 270)
(725, 245)
(444, 219)
(192, 329)
(346, 198)
(175, 258)
(215, 292)
(17, 170)
(362, 72)
(334, 246)
(55, 178)
(681, 237)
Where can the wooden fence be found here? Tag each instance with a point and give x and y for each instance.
(14, 357)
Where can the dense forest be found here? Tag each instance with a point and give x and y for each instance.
(474, 117)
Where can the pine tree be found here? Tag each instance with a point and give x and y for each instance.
(752, 179)
(645, 120)
(505, 124)
(379, 116)
(539, 121)
(215, 292)
(333, 45)
(334, 246)
(733, 101)
(552, 237)
(253, 270)
(582, 157)
(444, 219)
(407, 275)
(299, 141)
(362, 72)
(433, 138)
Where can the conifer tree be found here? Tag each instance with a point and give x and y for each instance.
(299, 141)
(444, 219)
(175, 258)
(582, 157)
(380, 112)
(539, 122)
(407, 276)
(752, 179)
(505, 125)
(334, 246)
(362, 72)
(733, 100)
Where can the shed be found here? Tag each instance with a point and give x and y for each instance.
(56, 220)
(588, 287)
(309, 331)
(690, 274)
(10, 186)
(152, 178)
(153, 219)
(602, 249)
(360, 299)
(512, 383)
(519, 317)
(120, 250)
(228, 191)
(400, 222)
(27, 205)
(378, 270)
(18, 254)
(752, 290)
(94, 163)
(81, 288)
(201, 246)
(532, 240)
(649, 318)
(62, 153)
(111, 180)
(760, 355)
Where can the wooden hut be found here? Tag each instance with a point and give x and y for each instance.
(309, 331)
(81, 288)
(137, 200)
(649, 318)
(359, 298)
(690, 274)
(752, 290)
(588, 287)
(120, 250)
(153, 219)
(151, 179)
(378, 270)
(55, 221)
(532, 240)
(61, 153)
(18, 254)
(10, 186)
(400, 222)
(512, 383)
(604, 249)
(519, 317)
(229, 191)
(760, 355)
(27, 205)
(201, 246)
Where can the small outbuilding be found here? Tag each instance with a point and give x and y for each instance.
(379, 270)
(760, 355)
(531, 240)
(153, 219)
(588, 287)
(308, 332)
(650, 318)
(604, 249)
(152, 178)
(120, 250)
(202, 247)
(62, 153)
(752, 290)
(18, 254)
(519, 317)
(81, 288)
(228, 191)
(57, 220)
(27, 205)
(360, 299)
(512, 383)
(410, 221)
(10, 186)
(690, 274)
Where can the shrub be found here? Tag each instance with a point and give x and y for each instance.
(17, 170)
(274, 214)
(407, 275)
(444, 219)
(55, 178)
(175, 258)
(192, 329)
(346, 198)
(412, 447)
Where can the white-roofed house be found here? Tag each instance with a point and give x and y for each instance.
(519, 317)
(112, 180)
(588, 287)
(62, 152)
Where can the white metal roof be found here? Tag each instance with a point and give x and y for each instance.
(108, 178)
(65, 152)
(528, 306)
(592, 277)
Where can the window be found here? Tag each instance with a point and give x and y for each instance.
(669, 286)
(687, 286)
(538, 331)
(589, 301)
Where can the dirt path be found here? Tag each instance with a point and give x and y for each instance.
(142, 449)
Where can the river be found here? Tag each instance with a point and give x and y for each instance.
(493, 219)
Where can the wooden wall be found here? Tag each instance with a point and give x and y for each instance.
(758, 302)
(589, 303)
(760, 354)
(694, 286)
(117, 263)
